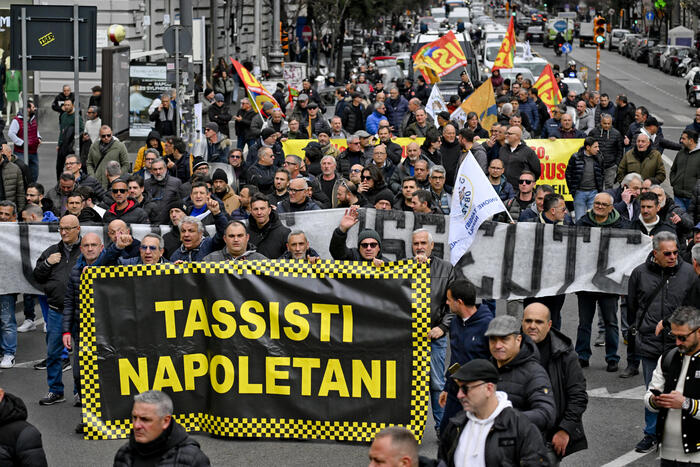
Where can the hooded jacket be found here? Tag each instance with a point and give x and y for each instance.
(569, 386)
(177, 449)
(511, 440)
(528, 386)
(131, 214)
(139, 162)
(270, 239)
(643, 282)
(611, 145)
(648, 164)
(20, 441)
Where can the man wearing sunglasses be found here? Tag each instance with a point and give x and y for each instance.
(674, 391)
(124, 208)
(656, 288)
(369, 244)
(103, 151)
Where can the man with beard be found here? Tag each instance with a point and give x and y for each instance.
(329, 177)
(163, 188)
(298, 247)
(223, 191)
(281, 183)
(393, 151)
(103, 151)
(298, 198)
(351, 156)
(324, 139)
(143, 199)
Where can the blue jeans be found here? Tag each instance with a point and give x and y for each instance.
(33, 164)
(29, 304)
(648, 367)
(583, 201)
(586, 310)
(54, 351)
(682, 202)
(8, 325)
(438, 349)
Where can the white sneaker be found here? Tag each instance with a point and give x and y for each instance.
(44, 327)
(8, 361)
(27, 326)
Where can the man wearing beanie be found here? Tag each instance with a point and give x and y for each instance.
(489, 431)
(267, 139)
(369, 244)
(383, 201)
(176, 211)
(218, 145)
(224, 192)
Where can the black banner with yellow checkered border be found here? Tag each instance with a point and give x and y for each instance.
(267, 349)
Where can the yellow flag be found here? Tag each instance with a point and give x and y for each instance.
(483, 103)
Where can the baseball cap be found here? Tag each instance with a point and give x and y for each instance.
(502, 326)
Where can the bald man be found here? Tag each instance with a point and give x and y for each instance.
(518, 156)
(407, 167)
(394, 446)
(92, 254)
(558, 357)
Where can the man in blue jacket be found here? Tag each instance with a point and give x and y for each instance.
(467, 340)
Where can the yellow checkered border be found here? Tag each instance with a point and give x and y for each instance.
(263, 427)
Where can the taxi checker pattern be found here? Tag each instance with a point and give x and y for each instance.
(261, 427)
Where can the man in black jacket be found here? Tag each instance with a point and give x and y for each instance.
(522, 376)
(510, 438)
(156, 438)
(51, 271)
(163, 188)
(585, 176)
(243, 119)
(164, 117)
(517, 157)
(611, 147)
(267, 233)
(655, 289)
(20, 441)
(369, 244)
(557, 356)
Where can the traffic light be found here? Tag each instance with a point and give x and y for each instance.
(284, 36)
(599, 30)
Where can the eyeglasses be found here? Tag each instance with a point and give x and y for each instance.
(601, 205)
(369, 245)
(106, 136)
(681, 337)
(495, 168)
(70, 163)
(149, 248)
(365, 177)
(67, 229)
(289, 163)
(296, 190)
(465, 389)
(150, 159)
(355, 170)
(354, 142)
(671, 253)
(526, 182)
(119, 190)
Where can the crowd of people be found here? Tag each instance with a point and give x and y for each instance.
(533, 388)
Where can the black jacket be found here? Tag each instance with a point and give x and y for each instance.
(528, 386)
(523, 158)
(178, 450)
(262, 176)
(163, 193)
(512, 440)
(441, 274)
(575, 168)
(54, 277)
(611, 145)
(131, 214)
(271, 239)
(101, 195)
(569, 386)
(643, 282)
(353, 118)
(340, 251)
(694, 208)
(221, 116)
(20, 441)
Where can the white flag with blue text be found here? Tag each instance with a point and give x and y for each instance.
(435, 104)
(473, 201)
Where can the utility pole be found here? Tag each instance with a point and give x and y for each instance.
(258, 33)
(597, 68)
(276, 55)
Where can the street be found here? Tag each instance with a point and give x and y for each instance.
(613, 420)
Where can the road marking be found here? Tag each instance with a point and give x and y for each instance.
(667, 160)
(636, 393)
(28, 364)
(680, 118)
(626, 459)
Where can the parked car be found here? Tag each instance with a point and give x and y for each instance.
(615, 36)
(626, 42)
(535, 34)
(640, 50)
(671, 59)
(654, 57)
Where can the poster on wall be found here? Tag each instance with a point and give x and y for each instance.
(146, 84)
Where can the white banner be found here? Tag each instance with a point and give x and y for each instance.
(473, 201)
(435, 105)
(505, 261)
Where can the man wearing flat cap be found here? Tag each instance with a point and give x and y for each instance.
(489, 431)
(369, 244)
(217, 145)
(522, 376)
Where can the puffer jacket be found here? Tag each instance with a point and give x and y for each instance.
(20, 441)
(91, 182)
(550, 128)
(611, 145)
(648, 164)
(685, 172)
(353, 118)
(13, 184)
(685, 226)
(402, 171)
(53, 277)
(569, 386)
(529, 108)
(138, 163)
(643, 282)
(528, 386)
(575, 168)
(395, 110)
(270, 239)
(179, 450)
(512, 440)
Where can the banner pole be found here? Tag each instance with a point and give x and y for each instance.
(76, 78)
(25, 126)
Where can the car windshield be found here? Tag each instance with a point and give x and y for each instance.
(576, 86)
(492, 52)
(683, 52)
(535, 67)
